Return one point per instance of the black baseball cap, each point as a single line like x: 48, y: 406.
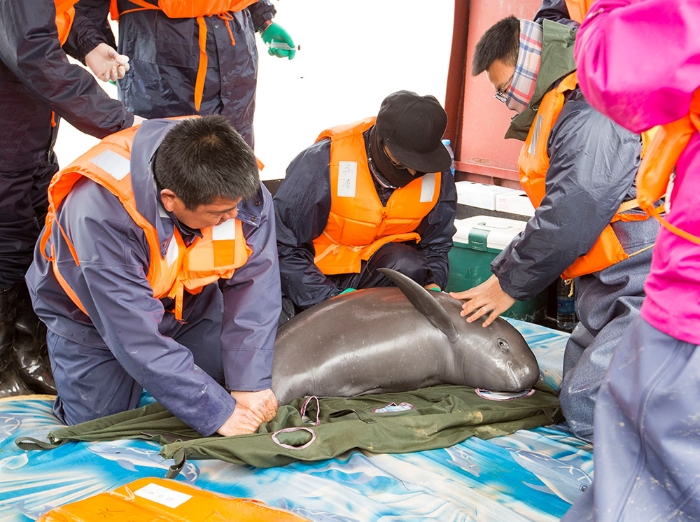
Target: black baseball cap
x: 412, y: 126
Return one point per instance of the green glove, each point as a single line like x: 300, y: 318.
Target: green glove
x: 278, y: 41
x: 347, y: 291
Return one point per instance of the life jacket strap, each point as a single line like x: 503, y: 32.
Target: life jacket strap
x: 657, y: 166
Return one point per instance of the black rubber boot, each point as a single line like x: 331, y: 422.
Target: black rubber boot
x: 29, y: 349
x: 11, y: 384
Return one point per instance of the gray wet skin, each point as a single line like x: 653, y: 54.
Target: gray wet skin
x: 396, y: 339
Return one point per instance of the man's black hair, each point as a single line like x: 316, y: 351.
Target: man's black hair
x: 500, y: 42
x: 202, y: 159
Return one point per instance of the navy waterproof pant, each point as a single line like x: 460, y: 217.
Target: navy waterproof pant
x: 403, y: 258
x: 607, y: 303
x: 90, y: 381
x: 647, y: 433
x: 23, y: 207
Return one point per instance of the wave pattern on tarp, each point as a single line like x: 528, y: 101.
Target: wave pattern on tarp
x: 530, y: 475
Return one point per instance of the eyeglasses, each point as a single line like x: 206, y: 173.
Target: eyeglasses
x: 396, y: 164
x: 501, y: 91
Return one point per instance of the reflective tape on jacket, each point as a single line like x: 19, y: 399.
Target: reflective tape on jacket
x: 216, y: 255
x: 533, y: 165
x: 358, y: 224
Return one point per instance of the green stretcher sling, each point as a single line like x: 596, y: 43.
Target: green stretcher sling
x: 314, y: 429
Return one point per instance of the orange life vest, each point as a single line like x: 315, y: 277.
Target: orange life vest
x: 578, y: 9
x: 660, y: 159
x: 533, y: 165
x: 197, y: 9
x: 358, y: 225
x: 65, y: 13
x: 216, y: 255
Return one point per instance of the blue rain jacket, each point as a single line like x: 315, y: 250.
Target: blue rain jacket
x: 302, y: 205
x: 164, y: 57
x: 111, y: 284
x: 36, y: 79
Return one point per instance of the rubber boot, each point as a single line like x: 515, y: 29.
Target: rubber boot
x: 29, y: 349
x: 11, y: 384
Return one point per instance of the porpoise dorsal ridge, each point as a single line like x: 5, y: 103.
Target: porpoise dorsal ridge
x: 423, y: 301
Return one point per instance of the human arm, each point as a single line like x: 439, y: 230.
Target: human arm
x: 90, y: 28
x: 252, y: 301
x: 92, y: 42
x: 261, y: 12
x: 593, y: 162
x: 640, y: 78
x: 436, y: 231
x: 111, y: 284
x: 272, y: 33
x: 302, y: 206
x: 32, y: 52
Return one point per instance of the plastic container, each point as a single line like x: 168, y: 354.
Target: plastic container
x: 514, y: 202
x: 479, y: 195
x: 566, y: 308
x: 154, y: 499
x: 478, y: 240
x: 447, y: 145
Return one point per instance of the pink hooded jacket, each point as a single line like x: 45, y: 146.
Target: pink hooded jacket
x: 639, y: 63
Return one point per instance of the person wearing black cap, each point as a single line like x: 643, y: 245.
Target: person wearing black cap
x: 371, y: 194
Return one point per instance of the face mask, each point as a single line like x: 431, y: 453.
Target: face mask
x: 522, y: 86
x: 397, y: 177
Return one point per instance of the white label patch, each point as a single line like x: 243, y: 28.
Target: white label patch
x: 226, y: 230
x: 347, y: 179
x: 427, y: 187
x: 173, y: 251
x: 113, y: 164
x: 161, y: 495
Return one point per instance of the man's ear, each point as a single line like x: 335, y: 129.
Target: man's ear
x: 169, y: 199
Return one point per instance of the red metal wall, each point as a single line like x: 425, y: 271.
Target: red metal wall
x: 476, y: 120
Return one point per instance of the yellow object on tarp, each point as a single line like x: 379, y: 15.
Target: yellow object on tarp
x: 162, y: 500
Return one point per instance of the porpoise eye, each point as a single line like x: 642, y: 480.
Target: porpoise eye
x: 503, y: 344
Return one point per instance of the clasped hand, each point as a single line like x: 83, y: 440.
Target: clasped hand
x: 252, y: 409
